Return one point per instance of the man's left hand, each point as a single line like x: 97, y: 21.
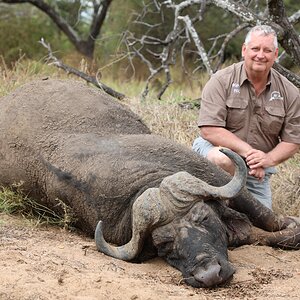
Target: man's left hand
x: 257, y: 159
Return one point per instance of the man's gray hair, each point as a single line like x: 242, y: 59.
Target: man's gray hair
x: 264, y: 30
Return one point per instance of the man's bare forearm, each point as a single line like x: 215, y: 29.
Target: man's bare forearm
x: 282, y: 152
x: 220, y: 136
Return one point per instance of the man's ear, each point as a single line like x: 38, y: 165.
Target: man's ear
x: 276, y: 53
x: 243, y: 50
x: 163, y: 239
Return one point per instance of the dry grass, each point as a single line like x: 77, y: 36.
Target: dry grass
x: 286, y: 187
x: 168, y: 119
x: 22, y: 72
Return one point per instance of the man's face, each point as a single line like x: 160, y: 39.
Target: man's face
x: 259, y: 54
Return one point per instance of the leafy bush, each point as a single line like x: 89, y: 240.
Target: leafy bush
x: 22, y: 26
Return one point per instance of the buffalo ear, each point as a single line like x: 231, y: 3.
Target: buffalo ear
x: 238, y: 226
x: 163, y: 239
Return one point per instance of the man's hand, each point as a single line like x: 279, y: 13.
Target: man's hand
x: 258, y: 159
x: 259, y: 173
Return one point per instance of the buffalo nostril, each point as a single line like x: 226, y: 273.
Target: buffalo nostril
x: 210, y: 276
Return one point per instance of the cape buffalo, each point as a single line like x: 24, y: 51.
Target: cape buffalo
x: 152, y: 196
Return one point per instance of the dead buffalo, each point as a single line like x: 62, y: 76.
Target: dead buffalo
x: 71, y: 142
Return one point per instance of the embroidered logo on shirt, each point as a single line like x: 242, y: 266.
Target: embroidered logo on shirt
x: 275, y: 96
x: 236, y: 89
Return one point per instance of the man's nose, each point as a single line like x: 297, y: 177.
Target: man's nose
x: 261, y: 53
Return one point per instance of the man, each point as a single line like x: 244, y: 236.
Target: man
x: 253, y: 110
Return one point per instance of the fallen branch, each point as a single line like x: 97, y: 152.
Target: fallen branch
x: 53, y: 60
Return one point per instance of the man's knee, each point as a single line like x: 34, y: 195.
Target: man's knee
x: 221, y: 160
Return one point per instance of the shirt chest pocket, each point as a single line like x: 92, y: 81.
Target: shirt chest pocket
x: 273, y: 119
x: 236, y: 113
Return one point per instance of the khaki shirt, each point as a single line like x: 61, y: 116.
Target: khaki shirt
x: 229, y: 101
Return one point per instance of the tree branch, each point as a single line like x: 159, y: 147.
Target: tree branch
x: 227, y: 39
x: 54, y: 15
x: 99, y: 15
x: 295, y: 18
x: 91, y: 79
x: 198, y: 43
x: 238, y: 9
x: 294, y: 78
x: 84, y: 46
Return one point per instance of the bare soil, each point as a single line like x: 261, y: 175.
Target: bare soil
x: 51, y: 263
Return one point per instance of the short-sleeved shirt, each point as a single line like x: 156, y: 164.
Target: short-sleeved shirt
x: 229, y: 100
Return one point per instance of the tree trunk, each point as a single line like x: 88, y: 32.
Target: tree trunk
x: 289, y: 39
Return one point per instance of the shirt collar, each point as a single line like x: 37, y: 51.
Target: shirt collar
x: 244, y: 77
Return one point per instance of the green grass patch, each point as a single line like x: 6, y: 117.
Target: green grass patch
x: 14, y: 201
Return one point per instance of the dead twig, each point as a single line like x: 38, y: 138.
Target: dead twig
x: 53, y: 60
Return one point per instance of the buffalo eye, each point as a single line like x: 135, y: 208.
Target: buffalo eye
x: 200, y: 219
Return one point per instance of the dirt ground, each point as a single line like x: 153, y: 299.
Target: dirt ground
x: 51, y: 263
